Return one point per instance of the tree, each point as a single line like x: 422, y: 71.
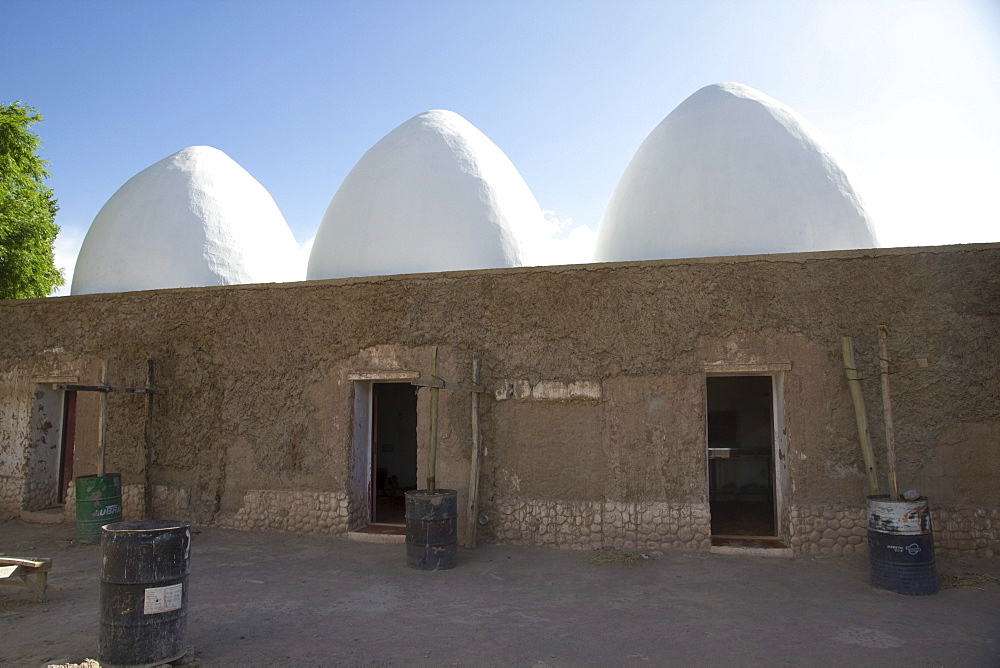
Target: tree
x: 27, y: 209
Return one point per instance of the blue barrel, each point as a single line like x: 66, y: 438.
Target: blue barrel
x: 144, y: 592
x: 901, y: 546
x: 432, y: 529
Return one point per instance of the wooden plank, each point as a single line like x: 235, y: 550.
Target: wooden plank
x: 432, y: 450
x: 472, y: 511
x: 29, y: 573
x: 147, y: 495
x: 860, y: 415
x: 30, y: 563
x: 103, y: 425
x: 107, y: 388
x: 890, y: 439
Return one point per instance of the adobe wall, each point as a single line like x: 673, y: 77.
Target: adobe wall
x: 593, y: 427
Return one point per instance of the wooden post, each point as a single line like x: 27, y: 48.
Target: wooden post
x: 432, y: 449
x: 890, y: 439
x: 860, y: 415
x: 148, y: 438
x: 473, y: 508
x: 102, y: 436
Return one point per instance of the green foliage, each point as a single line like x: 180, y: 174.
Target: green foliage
x: 27, y: 209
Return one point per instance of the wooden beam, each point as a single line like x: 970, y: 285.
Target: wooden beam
x: 472, y: 511
x: 106, y: 388
x: 432, y: 450
x: 447, y: 385
x: 860, y: 415
x: 148, y: 442
x: 103, y: 421
x: 890, y: 439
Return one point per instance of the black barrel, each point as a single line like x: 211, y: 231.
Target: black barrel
x: 144, y: 592
x: 901, y: 546
x: 432, y: 529
x: 98, y: 502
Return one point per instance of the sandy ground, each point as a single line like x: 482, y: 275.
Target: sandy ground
x: 283, y: 599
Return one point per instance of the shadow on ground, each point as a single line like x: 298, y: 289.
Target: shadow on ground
x: 267, y: 598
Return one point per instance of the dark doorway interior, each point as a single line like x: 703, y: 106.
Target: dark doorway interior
x: 741, y: 452
x: 394, y: 450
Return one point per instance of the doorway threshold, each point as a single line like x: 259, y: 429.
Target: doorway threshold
x: 379, y: 533
x: 751, y: 546
x: 47, y: 516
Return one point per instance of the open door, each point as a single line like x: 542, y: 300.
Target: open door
x: 393, y: 451
x: 66, y: 449
x: 741, y: 457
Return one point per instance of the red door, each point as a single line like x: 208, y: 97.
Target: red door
x: 66, y: 445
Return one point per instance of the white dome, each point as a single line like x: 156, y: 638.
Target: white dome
x: 194, y: 219
x: 731, y: 171
x: 435, y: 194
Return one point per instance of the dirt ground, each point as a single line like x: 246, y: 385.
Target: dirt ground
x: 268, y: 598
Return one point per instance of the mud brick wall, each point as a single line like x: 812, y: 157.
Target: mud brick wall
x: 594, y: 423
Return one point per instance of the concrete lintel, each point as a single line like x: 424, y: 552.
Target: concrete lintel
x: 383, y: 375
x: 745, y: 369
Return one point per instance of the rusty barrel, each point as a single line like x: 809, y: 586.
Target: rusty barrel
x: 144, y: 592
x: 98, y: 502
x: 432, y: 529
x: 901, y: 546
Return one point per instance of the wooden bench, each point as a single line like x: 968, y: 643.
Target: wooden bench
x: 19, y: 572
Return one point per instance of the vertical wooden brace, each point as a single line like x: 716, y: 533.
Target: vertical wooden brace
x: 148, y: 438
x: 890, y: 438
x: 102, y: 436
x: 472, y: 511
x: 860, y: 414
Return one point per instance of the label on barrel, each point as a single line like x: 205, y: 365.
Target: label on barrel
x: 163, y: 599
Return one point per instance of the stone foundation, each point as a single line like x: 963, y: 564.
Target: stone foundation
x: 844, y: 530
x: 171, y: 502
x: 828, y: 529
x: 970, y: 533
x: 583, y: 525
x: 11, y: 490
x: 589, y: 525
x: 282, y: 510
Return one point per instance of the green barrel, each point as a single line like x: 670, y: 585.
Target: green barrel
x: 98, y: 502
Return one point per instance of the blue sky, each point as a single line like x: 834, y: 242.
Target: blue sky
x: 908, y: 92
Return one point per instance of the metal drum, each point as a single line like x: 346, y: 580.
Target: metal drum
x: 432, y: 529
x: 144, y: 592
x: 98, y: 502
x: 901, y: 546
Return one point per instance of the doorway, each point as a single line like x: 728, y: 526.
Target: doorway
x: 393, y: 450
x: 741, y: 446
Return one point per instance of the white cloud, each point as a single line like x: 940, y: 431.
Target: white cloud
x: 923, y: 187
x: 65, y: 250
x: 560, y: 242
